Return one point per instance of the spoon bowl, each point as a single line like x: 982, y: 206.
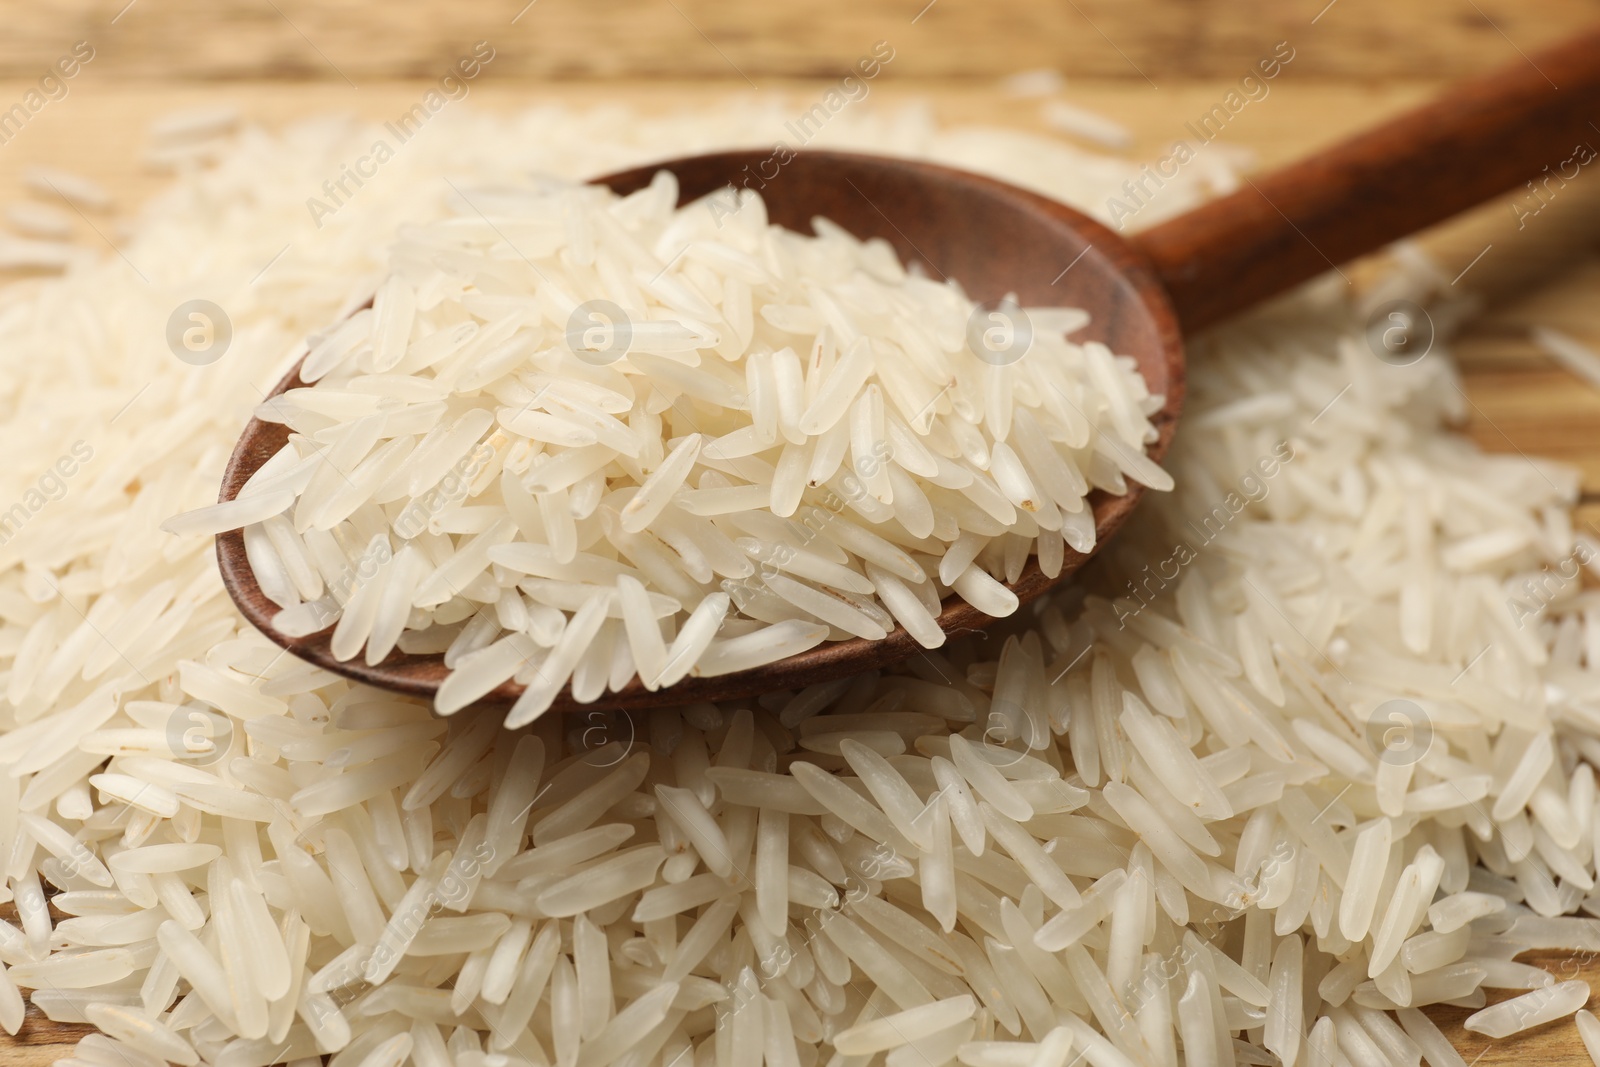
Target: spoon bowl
x: 993, y: 238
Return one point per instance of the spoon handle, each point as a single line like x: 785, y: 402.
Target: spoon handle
x: 1536, y: 120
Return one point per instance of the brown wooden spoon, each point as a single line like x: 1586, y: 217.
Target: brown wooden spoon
x: 1143, y: 291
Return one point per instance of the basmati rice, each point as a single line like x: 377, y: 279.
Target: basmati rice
x: 1170, y: 768
x: 428, y: 410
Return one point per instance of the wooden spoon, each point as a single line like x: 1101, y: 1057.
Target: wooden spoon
x: 1143, y: 291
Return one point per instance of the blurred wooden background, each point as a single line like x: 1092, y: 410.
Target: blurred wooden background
x: 1159, y: 40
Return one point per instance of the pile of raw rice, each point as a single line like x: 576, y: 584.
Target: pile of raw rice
x: 499, y: 461
x: 1307, y: 750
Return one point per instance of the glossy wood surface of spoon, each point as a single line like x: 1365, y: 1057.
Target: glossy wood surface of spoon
x: 1142, y: 292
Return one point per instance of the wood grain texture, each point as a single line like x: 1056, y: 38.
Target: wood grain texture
x: 1156, y: 41
x: 1546, y: 271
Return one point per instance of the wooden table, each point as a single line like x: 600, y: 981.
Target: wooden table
x: 1548, y: 272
